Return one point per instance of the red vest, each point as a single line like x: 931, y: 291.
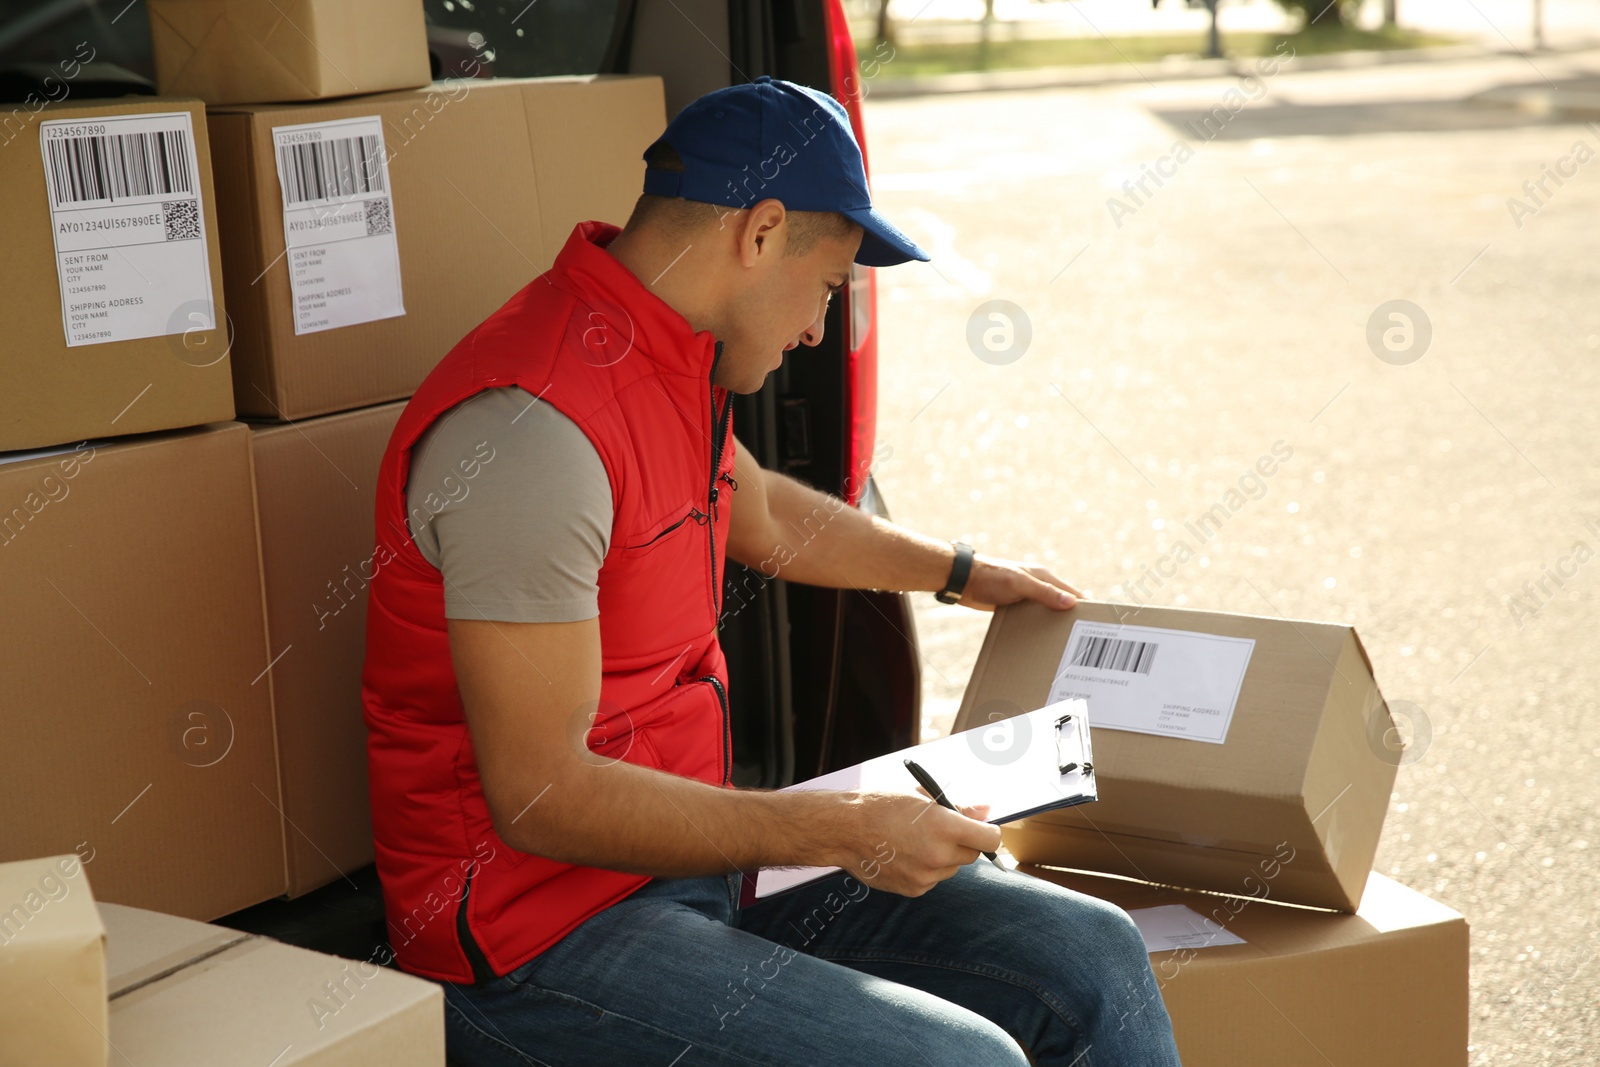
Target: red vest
x: 590, y: 339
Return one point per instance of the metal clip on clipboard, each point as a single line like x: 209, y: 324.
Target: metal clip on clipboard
x: 1026, y: 775
x: 1074, y: 756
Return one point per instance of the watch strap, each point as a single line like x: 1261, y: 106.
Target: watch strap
x: 960, y: 571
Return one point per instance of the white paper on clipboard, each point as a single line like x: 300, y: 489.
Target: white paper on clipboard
x: 1013, y: 765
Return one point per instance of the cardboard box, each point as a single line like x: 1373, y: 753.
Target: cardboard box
x: 483, y: 183
x: 252, y: 51
x: 112, y: 275
x: 1385, y: 987
x: 1302, y: 764
x: 185, y: 994
x: 52, y: 966
x: 133, y: 645
x: 315, y: 486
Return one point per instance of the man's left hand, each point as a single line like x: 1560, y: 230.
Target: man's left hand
x: 1002, y: 581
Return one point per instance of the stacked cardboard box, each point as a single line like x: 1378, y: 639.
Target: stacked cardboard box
x: 78, y: 980
x: 243, y: 51
x: 362, y: 238
x: 1248, y: 757
x: 1252, y: 982
x: 192, y: 674
x: 112, y: 274
x: 314, y: 487
x: 133, y: 647
x: 1239, y: 736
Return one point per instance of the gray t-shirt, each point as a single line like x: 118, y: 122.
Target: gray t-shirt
x: 509, y: 499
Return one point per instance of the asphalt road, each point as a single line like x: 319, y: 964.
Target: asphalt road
x: 1442, y: 493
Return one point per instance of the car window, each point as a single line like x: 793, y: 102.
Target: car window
x: 521, y: 38
x: 88, y: 47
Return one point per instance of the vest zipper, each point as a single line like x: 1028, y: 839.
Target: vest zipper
x: 481, y: 971
x: 719, y: 437
x: 727, y: 727
x: 694, y: 513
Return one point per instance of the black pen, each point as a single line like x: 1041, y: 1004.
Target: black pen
x: 925, y: 780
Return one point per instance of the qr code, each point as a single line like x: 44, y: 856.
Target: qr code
x: 183, y: 219
x: 378, y: 220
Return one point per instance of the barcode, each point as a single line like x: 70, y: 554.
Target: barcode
x: 321, y: 170
x: 116, y: 166
x: 1112, y: 654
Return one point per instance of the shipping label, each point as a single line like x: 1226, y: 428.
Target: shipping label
x: 338, y: 223
x: 129, y: 227
x: 1176, y: 683
x: 1174, y: 926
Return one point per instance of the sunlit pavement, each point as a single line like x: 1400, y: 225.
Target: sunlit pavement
x: 1158, y: 336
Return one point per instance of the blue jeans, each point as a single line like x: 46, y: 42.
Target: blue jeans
x: 833, y: 974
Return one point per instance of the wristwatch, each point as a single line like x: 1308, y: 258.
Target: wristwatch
x: 960, y: 571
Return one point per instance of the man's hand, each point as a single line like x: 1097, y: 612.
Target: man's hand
x: 907, y: 844
x: 994, y: 582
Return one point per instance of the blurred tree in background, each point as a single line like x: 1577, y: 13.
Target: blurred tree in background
x: 1321, y: 13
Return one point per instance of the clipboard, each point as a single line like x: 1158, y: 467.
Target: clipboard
x: 1020, y: 766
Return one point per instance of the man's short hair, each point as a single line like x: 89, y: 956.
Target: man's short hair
x: 682, y: 218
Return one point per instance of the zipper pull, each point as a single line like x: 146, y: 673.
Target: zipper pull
x: 699, y: 516
x: 716, y: 490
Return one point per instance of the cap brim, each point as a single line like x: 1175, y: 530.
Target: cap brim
x: 881, y: 244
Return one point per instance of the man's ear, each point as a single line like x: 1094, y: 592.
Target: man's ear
x: 764, y: 232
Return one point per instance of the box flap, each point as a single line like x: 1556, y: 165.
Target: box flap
x: 149, y: 945
x: 55, y: 888
x: 208, y: 996
x: 52, y: 965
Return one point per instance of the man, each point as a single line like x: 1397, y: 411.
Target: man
x: 546, y: 696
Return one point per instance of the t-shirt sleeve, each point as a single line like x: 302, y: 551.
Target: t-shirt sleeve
x: 510, y: 500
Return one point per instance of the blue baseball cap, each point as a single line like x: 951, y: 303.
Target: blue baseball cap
x: 772, y: 138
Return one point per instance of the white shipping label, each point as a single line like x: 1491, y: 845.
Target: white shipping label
x: 1173, y: 926
x: 129, y: 227
x: 1177, y: 683
x: 338, y: 223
